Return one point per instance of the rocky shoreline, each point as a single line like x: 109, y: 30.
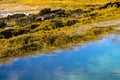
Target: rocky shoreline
x: 21, y: 34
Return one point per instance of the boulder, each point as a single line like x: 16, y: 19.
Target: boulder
x: 2, y: 24
x: 16, y: 16
x: 45, y: 11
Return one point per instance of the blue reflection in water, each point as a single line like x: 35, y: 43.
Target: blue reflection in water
x: 96, y: 61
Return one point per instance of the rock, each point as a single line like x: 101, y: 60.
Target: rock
x: 39, y: 19
x: 109, y: 4
x: 2, y: 24
x: 16, y: 16
x: 71, y: 22
x: 56, y: 23
x: 58, y: 12
x: 23, y: 21
x: 7, y: 33
x: 33, y: 26
x: 78, y: 11
x: 51, y: 16
x: 116, y: 4
x: 45, y: 11
x: 19, y: 32
x: 32, y: 17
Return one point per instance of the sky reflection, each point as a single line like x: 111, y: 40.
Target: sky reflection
x: 96, y: 61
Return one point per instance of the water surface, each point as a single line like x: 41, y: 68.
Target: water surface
x: 94, y: 61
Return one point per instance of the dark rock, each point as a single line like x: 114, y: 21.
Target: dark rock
x: 56, y: 23
x: 109, y: 4
x: 2, y: 24
x: 71, y: 22
x: 51, y: 16
x: 58, y: 12
x: 16, y: 16
x: 45, y: 11
x: 7, y: 33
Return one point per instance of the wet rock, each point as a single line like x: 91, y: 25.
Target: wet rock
x: 2, y: 24
x: 7, y: 33
x: 45, y: 11
x: 16, y: 16
x: 57, y: 23
x: 71, y: 22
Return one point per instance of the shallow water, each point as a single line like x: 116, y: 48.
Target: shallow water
x: 94, y: 61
